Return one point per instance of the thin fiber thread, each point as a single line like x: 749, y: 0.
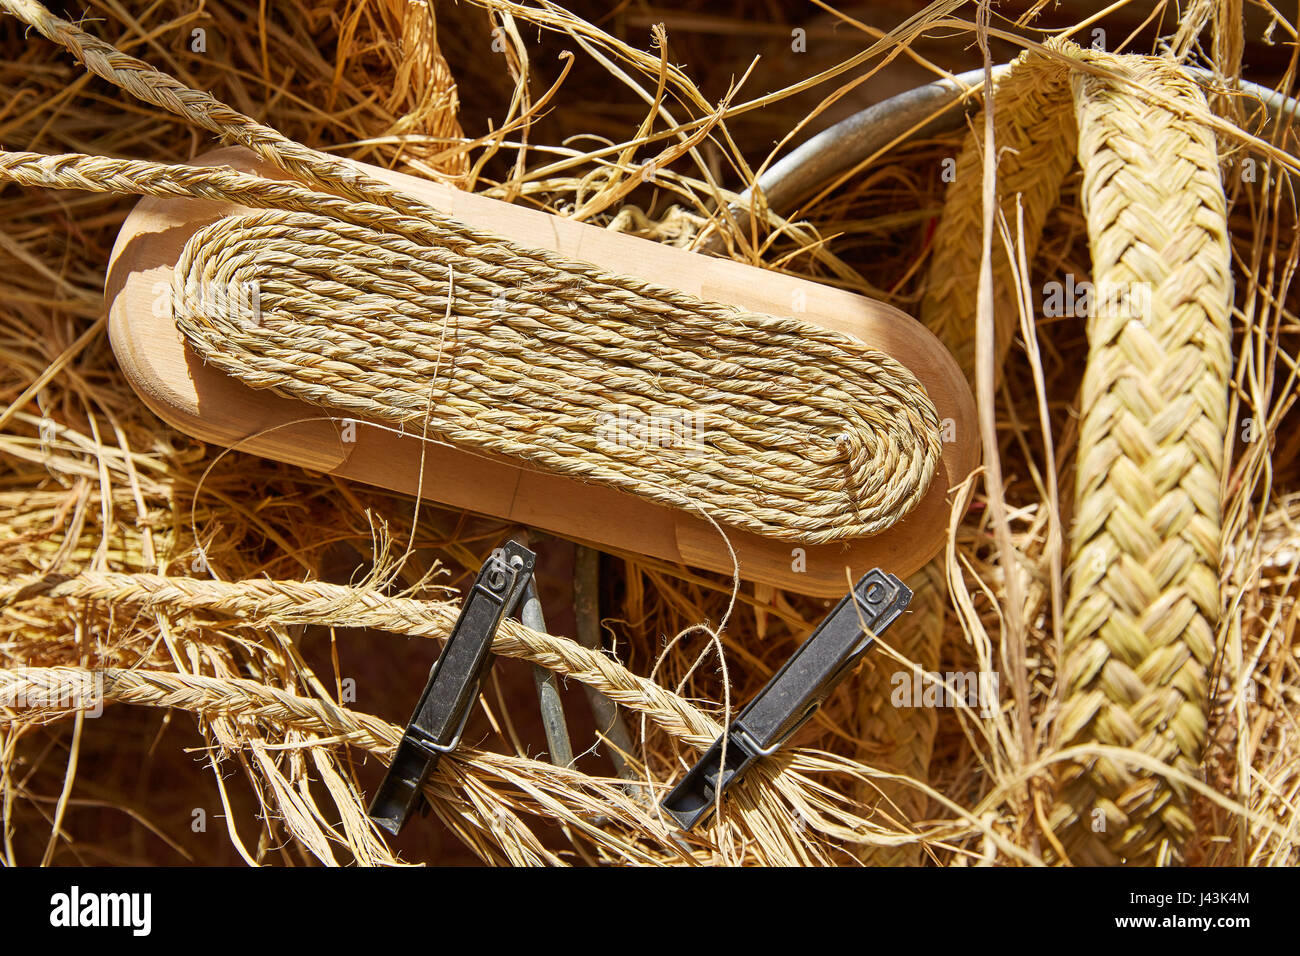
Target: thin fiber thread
x: 1144, y: 554
x: 207, y: 112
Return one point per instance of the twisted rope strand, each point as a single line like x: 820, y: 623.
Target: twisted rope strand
x: 333, y: 605
x: 152, y: 86
x: 293, y: 602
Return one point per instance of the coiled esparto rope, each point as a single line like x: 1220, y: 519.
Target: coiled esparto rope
x: 769, y: 424
x: 805, y: 472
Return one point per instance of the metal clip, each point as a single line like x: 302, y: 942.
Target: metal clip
x: 787, y: 701
x: 453, y: 686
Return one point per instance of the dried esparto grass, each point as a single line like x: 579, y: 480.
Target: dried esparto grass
x: 233, y: 604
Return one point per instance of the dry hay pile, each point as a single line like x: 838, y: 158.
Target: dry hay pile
x: 249, y: 720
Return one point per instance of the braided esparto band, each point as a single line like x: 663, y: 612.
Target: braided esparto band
x: 1144, y: 578
x: 1143, y: 599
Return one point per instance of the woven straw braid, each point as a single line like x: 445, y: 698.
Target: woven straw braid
x: 1144, y: 598
x: 1035, y: 135
x: 1031, y: 116
x: 768, y: 424
x: 1144, y: 591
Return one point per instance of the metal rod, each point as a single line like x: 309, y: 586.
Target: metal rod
x: 609, y: 719
x: 548, y: 688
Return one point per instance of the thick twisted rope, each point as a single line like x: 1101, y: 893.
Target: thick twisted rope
x: 1143, y: 596
x: 207, y: 112
x: 333, y: 605
x: 261, y: 602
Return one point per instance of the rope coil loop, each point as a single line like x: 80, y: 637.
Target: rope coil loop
x: 773, y: 425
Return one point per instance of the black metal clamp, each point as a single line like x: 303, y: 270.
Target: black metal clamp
x: 787, y: 701
x: 444, y: 708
